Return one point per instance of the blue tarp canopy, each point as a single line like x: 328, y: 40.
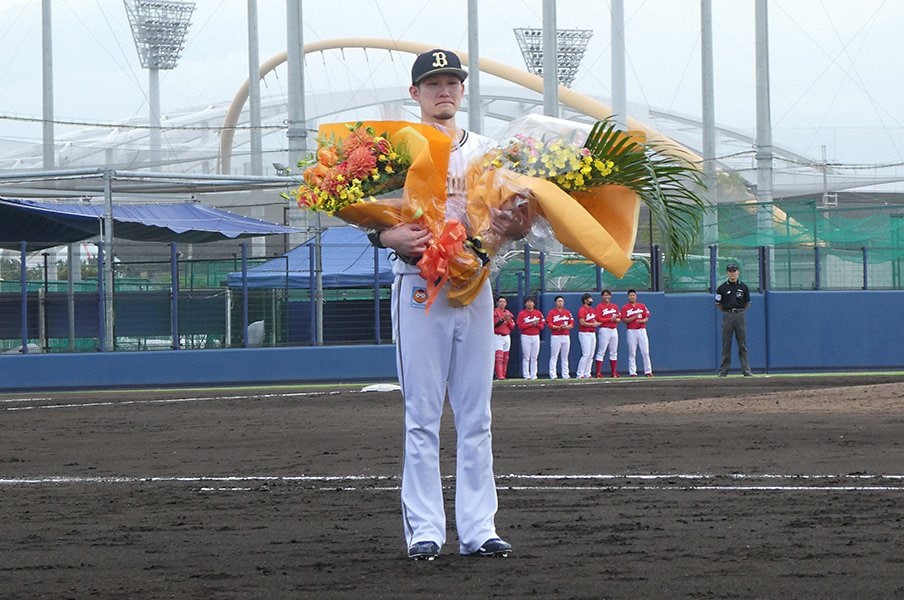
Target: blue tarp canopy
x: 47, y: 224
x: 348, y: 262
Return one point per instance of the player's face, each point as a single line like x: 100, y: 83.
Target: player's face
x: 501, y: 303
x: 607, y: 298
x: 529, y: 305
x: 632, y: 297
x: 560, y: 303
x: 733, y: 275
x: 438, y: 96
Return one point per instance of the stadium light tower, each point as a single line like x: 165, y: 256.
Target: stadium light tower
x: 570, y: 47
x: 158, y: 29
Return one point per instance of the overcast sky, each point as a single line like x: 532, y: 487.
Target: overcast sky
x: 834, y: 63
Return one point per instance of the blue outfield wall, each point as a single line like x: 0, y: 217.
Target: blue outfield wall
x: 786, y: 332
x: 197, y: 367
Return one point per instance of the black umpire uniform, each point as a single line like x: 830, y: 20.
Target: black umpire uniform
x: 732, y: 298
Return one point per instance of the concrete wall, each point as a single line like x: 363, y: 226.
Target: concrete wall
x: 787, y: 331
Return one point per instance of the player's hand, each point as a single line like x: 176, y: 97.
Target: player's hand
x: 510, y: 223
x: 408, y: 239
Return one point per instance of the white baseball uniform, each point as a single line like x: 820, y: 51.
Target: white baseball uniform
x: 451, y: 349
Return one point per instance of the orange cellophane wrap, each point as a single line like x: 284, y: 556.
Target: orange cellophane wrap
x: 423, y: 200
x: 600, y: 223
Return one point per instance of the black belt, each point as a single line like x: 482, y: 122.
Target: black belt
x: 735, y: 310
x: 408, y: 260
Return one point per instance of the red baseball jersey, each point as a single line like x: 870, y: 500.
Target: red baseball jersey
x: 588, y: 315
x: 560, y: 318
x: 635, y: 310
x: 530, y: 322
x: 508, y: 321
x: 606, y: 315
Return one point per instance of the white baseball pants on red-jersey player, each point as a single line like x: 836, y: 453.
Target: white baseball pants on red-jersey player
x: 530, y: 351
x: 559, y: 345
x: 637, y: 339
x: 454, y: 345
x: 587, y: 340
x: 607, y: 339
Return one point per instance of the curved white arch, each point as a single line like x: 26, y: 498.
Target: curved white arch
x: 568, y: 97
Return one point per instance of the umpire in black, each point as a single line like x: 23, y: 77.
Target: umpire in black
x: 732, y: 298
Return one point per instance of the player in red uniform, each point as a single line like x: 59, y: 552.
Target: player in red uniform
x: 587, y: 325
x: 503, y: 323
x: 608, y: 315
x: 636, y: 315
x: 530, y: 322
x: 560, y: 322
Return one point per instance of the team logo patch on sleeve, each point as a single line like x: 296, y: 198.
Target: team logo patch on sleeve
x: 419, y: 297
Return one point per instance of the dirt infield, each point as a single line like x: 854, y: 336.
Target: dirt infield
x: 767, y: 487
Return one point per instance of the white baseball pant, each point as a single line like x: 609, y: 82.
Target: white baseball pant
x: 449, y: 349
x: 530, y: 351
x: 559, y: 345
x: 607, y: 339
x: 637, y: 339
x: 587, y: 340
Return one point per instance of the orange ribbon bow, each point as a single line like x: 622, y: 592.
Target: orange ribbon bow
x: 434, y: 264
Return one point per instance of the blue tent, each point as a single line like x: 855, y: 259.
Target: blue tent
x: 46, y: 224
x: 348, y: 262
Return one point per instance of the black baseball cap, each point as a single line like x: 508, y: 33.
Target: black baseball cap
x: 731, y: 267
x: 436, y: 62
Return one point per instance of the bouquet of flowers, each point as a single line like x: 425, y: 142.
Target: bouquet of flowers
x: 586, y: 183
x: 356, y: 168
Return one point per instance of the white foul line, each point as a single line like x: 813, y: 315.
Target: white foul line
x: 690, y: 482
x: 153, y: 401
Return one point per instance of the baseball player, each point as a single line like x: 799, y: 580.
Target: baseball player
x: 587, y: 325
x: 503, y: 323
x: 452, y: 350
x: 635, y: 315
x: 530, y: 322
x: 732, y: 298
x: 560, y: 322
x: 608, y: 315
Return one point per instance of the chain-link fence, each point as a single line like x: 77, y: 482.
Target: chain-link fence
x: 193, y: 298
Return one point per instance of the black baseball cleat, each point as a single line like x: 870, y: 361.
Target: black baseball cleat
x: 423, y: 551
x: 748, y: 374
x: 494, y: 547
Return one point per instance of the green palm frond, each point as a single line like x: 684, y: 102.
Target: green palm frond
x: 666, y: 184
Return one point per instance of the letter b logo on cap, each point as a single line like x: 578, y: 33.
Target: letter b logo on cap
x: 440, y: 60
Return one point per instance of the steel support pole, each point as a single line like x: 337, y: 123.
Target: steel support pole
x: 550, y: 60
x: 254, y: 91
x: 710, y: 216
x: 47, y: 57
x: 619, y: 92
x: 154, y: 158
x: 475, y: 108
x: 108, y: 263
